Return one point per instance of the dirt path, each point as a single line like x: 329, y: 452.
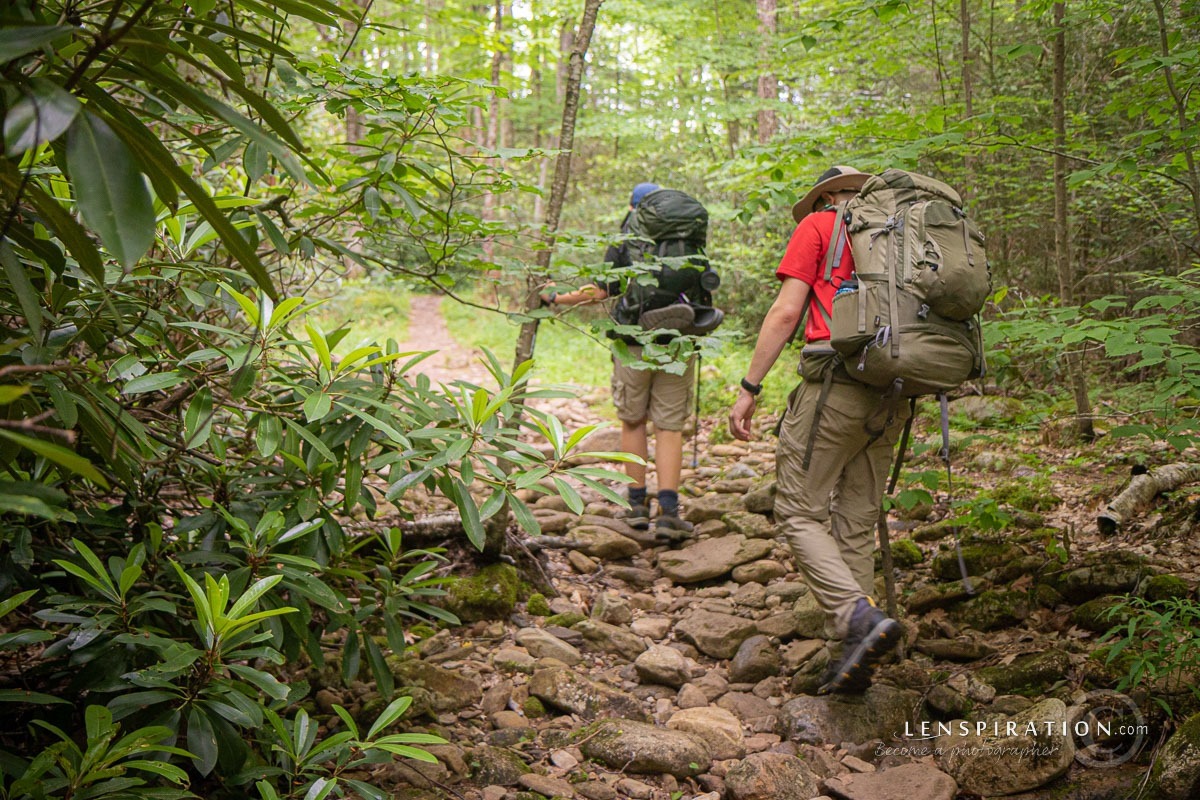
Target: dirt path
x: 427, y: 331
x: 453, y: 361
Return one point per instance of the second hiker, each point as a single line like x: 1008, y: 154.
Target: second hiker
x: 668, y: 227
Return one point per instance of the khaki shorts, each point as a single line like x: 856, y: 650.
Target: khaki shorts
x: 663, y: 398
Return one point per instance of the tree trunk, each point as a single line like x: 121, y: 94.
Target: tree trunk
x: 768, y: 85
x: 968, y: 98
x: 1181, y: 111
x: 492, y: 135
x: 494, y: 540
x: 1062, y: 243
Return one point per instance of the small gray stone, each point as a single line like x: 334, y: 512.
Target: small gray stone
x: 811, y: 619
x: 783, y: 625
x: 752, y: 526
x: 602, y: 543
x: 584, y: 565
x: 747, y: 707
x: 448, y: 690
x: 771, y: 776
x: 496, y: 766
x: 565, y: 689
x: 612, y: 609
x: 761, y: 500
x: 711, y: 558
x: 714, y: 634
x: 719, y: 729
x: 755, y: 660
x: 904, y: 782
x: 663, y: 665
x: 955, y: 649
x: 655, y: 628
x: 544, y: 645
x: 596, y: 790
x: 788, y: 591
x: 634, y: 576
x: 763, y: 571
x: 751, y: 595
x: 796, y: 653
x: 712, y: 506
x: 511, y: 660
x: 546, y: 785
x: 879, y: 713
x: 641, y: 748
x: 691, y: 696
x: 1176, y: 775
x: 611, y: 639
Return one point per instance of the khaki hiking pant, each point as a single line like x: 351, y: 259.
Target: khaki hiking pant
x: 828, y: 513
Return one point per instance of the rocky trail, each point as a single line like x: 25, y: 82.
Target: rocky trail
x: 655, y: 672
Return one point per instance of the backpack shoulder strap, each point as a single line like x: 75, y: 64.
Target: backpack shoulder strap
x: 837, y: 242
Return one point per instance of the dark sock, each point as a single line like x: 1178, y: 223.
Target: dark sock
x: 637, y: 495
x: 668, y: 502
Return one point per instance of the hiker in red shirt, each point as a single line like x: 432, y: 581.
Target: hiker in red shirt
x: 827, y: 508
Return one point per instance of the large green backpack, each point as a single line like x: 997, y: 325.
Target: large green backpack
x: 909, y: 319
x: 669, y: 228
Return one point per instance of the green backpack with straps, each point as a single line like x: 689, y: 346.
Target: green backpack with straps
x: 669, y: 229
x: 908, y: 320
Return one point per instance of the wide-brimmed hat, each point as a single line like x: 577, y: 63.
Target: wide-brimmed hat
x: 834, y: 179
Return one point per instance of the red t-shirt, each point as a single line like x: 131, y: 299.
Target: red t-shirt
x: 805, y: 260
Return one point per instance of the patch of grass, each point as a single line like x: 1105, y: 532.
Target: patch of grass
x: 720, y: 378
x: 375, y: 310
x: 562, y: 354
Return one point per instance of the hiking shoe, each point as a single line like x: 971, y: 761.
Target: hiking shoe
x: 676, y: 316
x: 670, y: 528
x: 869, y: 638
x: 637, y: 516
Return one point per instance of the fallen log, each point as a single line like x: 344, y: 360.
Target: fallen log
x: 1141, y: 490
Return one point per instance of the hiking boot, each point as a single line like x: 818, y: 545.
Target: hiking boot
x: 670, y: 528
x: 871, y: 635
x: 637, y: 516
x: 676, y: 316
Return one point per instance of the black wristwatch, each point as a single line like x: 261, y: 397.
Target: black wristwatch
x: 752, y: 388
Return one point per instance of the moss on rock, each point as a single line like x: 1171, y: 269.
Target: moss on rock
x: 905, y: 553
x: 1029, y: 675
x: 1165, y: 587
x: 537, y: 605
x: 979, y: 557
x: 1100, y: 614
x: 996, y: 609
x: 489, y: 594
x: 568, y: 620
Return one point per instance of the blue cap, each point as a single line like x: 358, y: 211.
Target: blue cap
x: 640, y: 191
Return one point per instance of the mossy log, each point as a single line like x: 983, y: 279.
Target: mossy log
x: 1141, y: 490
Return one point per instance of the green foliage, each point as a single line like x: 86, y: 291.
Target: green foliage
x: 1145, y: 338
x: 104, y: 767
x: 182, y: 440
x: 1158, y: 646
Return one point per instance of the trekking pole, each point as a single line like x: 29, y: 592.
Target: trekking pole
x: 696, y: 434
x: 889, y: 568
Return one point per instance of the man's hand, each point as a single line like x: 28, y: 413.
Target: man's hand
x: 740, y: 415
